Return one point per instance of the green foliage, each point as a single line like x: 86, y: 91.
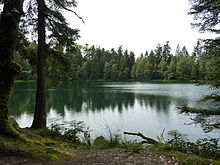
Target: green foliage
x: 186, y: 159
x: 207, y: 118
x: 207, y: 147
x: 6, y: 128
x: 171, y: 73
x: 75, y: 133
x: 100, y: 143
x: 28, y: 71
x: 213, y: 97
x: 132, y: 146
x: 53, y: 133
x: 56, y: 23
x: 206, y: 14
x: 162, y: 69
x: 93, y: 63
x: 187, y: 109
x: 32, y: 147
x: 213, y: 71
x: 114, y: 140
x: 177, y: 139
x: 184, y: 67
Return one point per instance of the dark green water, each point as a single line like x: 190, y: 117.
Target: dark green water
x: 130, y: 106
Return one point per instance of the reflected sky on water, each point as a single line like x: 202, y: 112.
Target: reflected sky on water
x: 122, y: 106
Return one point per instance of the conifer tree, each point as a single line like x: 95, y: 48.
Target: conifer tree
x: 49, y: 16
x: 206, y: 12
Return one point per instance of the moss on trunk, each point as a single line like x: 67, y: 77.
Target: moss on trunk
x: 9, y: 22
x: 8, y: 72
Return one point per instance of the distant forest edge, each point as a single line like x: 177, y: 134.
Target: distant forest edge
x: 93, y: 63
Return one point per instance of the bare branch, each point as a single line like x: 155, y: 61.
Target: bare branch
x: 65, y: 8
x: 148, y: 140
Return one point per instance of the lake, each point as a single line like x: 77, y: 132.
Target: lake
x: 121, y: 106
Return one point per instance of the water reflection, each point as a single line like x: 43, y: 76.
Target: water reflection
x: 73, y: 97
x: 23, y: 99
x: 140, y: 106
x: 93, y: 97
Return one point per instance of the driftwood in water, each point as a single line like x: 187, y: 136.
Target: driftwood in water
x: 146, y: 139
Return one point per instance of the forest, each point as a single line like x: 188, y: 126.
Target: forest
x: 37, y: 43
x: 95, y: 63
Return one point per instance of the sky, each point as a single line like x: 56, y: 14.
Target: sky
x: 136, y: 25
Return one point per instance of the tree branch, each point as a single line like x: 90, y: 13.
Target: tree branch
x: 65, y: 8
x: 148, y: 140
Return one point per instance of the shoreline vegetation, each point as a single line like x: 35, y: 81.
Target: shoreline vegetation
x: 104, y: 80
x: 206, y: 118
x: 62, y: 146
x: 186, y: 109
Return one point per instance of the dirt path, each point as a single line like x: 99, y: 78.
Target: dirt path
x: 102, y: 157
x: 119, y: 157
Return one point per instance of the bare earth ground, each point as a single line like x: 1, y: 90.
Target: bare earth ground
x: 102, y: 157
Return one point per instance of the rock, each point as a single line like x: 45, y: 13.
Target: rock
x: 100, y: 143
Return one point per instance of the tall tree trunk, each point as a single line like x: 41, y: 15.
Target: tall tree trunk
x: 9, y: 21
x: 40, y: 107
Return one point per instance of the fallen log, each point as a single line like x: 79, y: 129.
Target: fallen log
x: 147, y: 139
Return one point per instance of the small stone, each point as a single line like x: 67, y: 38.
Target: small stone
x: 129, y: 163
x: 162, y: 158
x: 130, y: 157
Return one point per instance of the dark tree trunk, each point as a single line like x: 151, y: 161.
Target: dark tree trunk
x: 40, y: 107
x: 9, y: 21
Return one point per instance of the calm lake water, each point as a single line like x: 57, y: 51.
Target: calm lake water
x: 122, y: 106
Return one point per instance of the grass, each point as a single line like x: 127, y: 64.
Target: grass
x: 183, y: 158
x: 19, y: 81
x: 186, y: 159
x: 33, y: 147
x: 51, y: 145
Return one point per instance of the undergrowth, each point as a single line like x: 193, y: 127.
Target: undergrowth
x: 51, y: 143
x: 75, y: 133
x: 204, y: 147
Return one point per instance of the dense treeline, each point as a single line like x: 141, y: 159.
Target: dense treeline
x: 93, y: 63
x: 79, y: 63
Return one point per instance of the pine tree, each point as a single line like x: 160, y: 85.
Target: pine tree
x: 40, y: 106
x: 207, y: 15
x: 50, y: 18
x: 206, y: 12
